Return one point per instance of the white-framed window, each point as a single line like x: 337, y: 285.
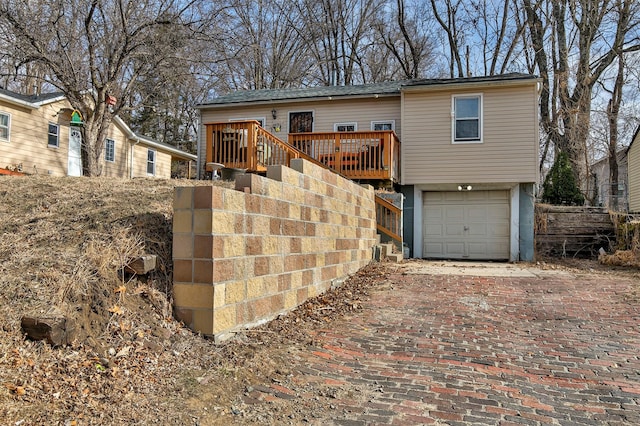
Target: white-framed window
x: 53, y: 135
x: 151, y: 162
x: 110, y: 150
x: 5, y: 126
x: 383, y: 125
x: 260, y: 120
x: 467, y: 118
x: 345, y: 127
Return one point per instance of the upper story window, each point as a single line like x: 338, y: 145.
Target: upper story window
x: 345, y: 127
x: 383, y: 125
x: 151, y: 162
x: 467, y: 119
x: 5, y: 123
x: 53, y: 134
x: 110, y: 150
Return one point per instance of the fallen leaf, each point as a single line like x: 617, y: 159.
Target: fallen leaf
x: 116, y: 310
x: 122, y: 289
x: 20, y: 390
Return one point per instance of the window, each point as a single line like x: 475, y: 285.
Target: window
x: 467, y: 119
x: 52, y: 137
x: 151, y: 162
x: 345, y: 127
x: 301, y: 122
x: 5, y: 121
x: 110, y: 150
x: 383, y: 125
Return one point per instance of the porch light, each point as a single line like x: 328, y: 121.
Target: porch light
x: 274, y: 113
x: 464, y: 187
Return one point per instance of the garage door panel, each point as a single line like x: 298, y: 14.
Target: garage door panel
x: 466, y: 225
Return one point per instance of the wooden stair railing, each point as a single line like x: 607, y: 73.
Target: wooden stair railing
x: 389, y: 219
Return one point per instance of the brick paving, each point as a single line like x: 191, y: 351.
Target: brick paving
x: 460, y: 350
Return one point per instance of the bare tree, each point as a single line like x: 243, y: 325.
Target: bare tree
x: 96, y: 49
x: 574, y: 44
x: 406, y: 40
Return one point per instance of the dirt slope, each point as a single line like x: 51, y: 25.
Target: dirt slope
x: 63, y: 242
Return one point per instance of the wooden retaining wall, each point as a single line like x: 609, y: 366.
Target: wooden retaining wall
x: 572, y: 230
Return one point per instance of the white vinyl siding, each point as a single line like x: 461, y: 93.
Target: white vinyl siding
x: 5, y: 126
x: 509, y: 152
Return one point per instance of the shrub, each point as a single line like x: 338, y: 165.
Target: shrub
x: 560, y: 186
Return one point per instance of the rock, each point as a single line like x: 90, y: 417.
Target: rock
x: 142, y: 265
x: 53, y: 327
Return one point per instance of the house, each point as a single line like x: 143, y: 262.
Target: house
x: 602, y: 186
x: 633, y: 164
x: 38, y: 135
x: 463, y: 152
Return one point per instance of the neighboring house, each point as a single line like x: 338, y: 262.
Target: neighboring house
x: 37, y: 137
x: 633, y: 160
x: 467, y: 152
x: 600, y: 174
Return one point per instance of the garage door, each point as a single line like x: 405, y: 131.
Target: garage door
x: 466, y: 225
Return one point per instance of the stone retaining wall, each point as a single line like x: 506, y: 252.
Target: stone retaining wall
x: 243, y: 256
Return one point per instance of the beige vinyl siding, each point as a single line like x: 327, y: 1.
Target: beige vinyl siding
x: 28, y: 139
x: 325, y: 114
x: 634, y: 175
x: 119, y: 168
x: 509, y: 148
x: 163, y: 162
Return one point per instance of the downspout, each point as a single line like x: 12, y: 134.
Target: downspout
x: 132, y: 155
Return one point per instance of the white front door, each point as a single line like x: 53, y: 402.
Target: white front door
x: 75, y: 152
x: 466, y: 225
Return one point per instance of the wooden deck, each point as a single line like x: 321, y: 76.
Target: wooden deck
x: 245, y: 145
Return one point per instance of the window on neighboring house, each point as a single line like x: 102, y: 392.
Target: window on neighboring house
x: 151, y: 162
x: 345, y: 127
x: 383, y: 125
x: 110, y: 150
x: 467, y: 119
x: 5, y: 122
x: 52, y: 137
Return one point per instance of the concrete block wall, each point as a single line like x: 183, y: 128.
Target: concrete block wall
x: 241, y: 257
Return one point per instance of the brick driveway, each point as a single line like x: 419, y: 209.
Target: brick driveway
x: 429, y: 347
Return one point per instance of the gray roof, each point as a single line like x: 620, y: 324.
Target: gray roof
x: 265, y: 95
x: 469, y: 80
x: 32, y: 99
x: 386, y: 88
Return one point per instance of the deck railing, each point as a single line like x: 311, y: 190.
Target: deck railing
x: 246, y: 145
x: 355, y: 155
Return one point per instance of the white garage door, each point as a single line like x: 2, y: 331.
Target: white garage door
x: 466, y: 225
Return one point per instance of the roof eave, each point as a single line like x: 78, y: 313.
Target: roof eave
x: 297, y: 100
x: 469, y: 84
x: 175, y: 152
x: 19, y: 102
